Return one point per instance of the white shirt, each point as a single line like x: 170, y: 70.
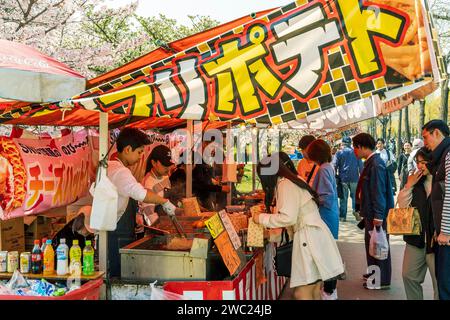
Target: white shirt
x: 156, y: 185
x: 384, y: 155
x: 126, y: 184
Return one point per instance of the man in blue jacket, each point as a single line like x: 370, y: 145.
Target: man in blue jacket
x: 375, y: 198
x: 348, y: 168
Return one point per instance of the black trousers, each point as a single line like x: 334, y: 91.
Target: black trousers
x: 384, y: 265
x: 122, y: 236
x: 442, y: 261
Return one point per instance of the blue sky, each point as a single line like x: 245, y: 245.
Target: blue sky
x: 221, y: 10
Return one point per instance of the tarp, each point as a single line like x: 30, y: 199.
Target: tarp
x: 28, y: 75
x: 295, y: 64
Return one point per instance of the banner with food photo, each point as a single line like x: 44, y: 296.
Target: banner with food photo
x: 39, y: 174
x: 294, y: 64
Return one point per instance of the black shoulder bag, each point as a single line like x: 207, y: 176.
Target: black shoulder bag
x: 283, y: 256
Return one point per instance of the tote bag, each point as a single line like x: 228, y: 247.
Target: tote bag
x: 104, y: 205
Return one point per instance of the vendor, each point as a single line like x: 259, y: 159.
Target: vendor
x: 203, y: 183
x: 156, y: 179
x: 130, y: 147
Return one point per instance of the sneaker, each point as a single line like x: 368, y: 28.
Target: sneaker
x: 342, y: 219
x: 327, y: 296
x: 373, y: 287
x: 357, y: 216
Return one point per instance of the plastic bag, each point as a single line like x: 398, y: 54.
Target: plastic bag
x: 378, y: 246
x: 104, y: 205
x: 5, y: 291
x: 43, y: 288
x: 160, y: 294
x: 17, y: 281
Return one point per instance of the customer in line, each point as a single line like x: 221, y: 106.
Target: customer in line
x: 315, y: 256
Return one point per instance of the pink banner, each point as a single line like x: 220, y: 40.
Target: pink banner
x: 40, y: 174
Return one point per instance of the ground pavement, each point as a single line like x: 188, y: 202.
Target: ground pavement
x: 351, y: 247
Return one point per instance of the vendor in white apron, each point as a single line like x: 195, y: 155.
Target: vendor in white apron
x: 130, y: 147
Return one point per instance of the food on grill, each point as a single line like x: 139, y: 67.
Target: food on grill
x: 178, y: 243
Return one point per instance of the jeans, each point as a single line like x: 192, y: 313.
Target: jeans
x: 347, y: 187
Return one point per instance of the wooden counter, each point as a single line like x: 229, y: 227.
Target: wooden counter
x: 96, y: 275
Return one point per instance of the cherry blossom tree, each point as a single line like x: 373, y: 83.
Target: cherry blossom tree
x: 87, y: 35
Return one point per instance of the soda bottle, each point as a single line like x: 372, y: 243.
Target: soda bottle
x: 44, y: 243
x: 75, y: 258
x: 49, y: 259
x: 36, y: 258
x: 88, y: 259
x: 62, y: 258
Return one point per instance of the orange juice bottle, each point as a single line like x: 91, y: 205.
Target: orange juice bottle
x: 49, y: 259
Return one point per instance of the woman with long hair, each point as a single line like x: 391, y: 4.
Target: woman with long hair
x: 315, y: 256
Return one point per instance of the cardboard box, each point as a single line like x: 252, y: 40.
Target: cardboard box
x: 12, y: 235
x: 40, y: 228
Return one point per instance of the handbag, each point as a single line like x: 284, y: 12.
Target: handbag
x: 404, y: 221
x: 283, y: 256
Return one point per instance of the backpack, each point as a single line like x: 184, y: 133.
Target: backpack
x: 391, y: 164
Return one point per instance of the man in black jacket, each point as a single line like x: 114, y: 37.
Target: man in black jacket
x: 375, y: 198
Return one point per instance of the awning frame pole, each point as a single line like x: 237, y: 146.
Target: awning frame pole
x: 103, y: 235
x: 189, y: 159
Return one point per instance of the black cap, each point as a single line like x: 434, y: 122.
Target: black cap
x: 162, y: 154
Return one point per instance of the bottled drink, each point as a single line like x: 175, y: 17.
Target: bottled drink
x: 62, y: 258
x: 49, y: 259
x: 88, y: 259
x: 44, y: 244
x: 75, y: 258
x: 36, y: 258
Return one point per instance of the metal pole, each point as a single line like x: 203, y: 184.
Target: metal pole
x: 255, y: 152
x: 229, y: 194
x: 103, y: 235
x: 189, y: 160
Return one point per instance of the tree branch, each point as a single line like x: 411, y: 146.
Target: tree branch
x: 445, y: 16
x: 23, y: 24
x: 101, y: 30
x: 20, y: 6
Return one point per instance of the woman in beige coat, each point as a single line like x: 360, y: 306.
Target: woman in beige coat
x: 315, y: 256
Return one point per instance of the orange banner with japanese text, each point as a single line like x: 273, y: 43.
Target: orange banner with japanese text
x: 39, y: 174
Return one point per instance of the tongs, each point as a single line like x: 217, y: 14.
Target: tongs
x: 178, y: 226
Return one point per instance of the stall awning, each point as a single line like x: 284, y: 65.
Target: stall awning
x: 28, y: 75
x: 311, y: 63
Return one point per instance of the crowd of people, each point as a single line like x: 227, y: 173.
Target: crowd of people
x: 313, y: 198
x: 310, y: 200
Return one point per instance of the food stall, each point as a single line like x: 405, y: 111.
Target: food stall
x: 301, y: 65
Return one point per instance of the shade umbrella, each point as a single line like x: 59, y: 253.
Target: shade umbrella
x: 28, y: 75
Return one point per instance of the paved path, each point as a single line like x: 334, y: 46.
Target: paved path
x: 351, y: 246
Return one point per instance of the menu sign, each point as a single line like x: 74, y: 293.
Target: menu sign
x: 234, y: 237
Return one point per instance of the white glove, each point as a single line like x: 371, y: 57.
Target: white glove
x: 169, y: 208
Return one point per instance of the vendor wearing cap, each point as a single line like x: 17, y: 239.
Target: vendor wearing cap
x: 156, y: 180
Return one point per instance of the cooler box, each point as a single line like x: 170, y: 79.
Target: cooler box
x: 88, y: 291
